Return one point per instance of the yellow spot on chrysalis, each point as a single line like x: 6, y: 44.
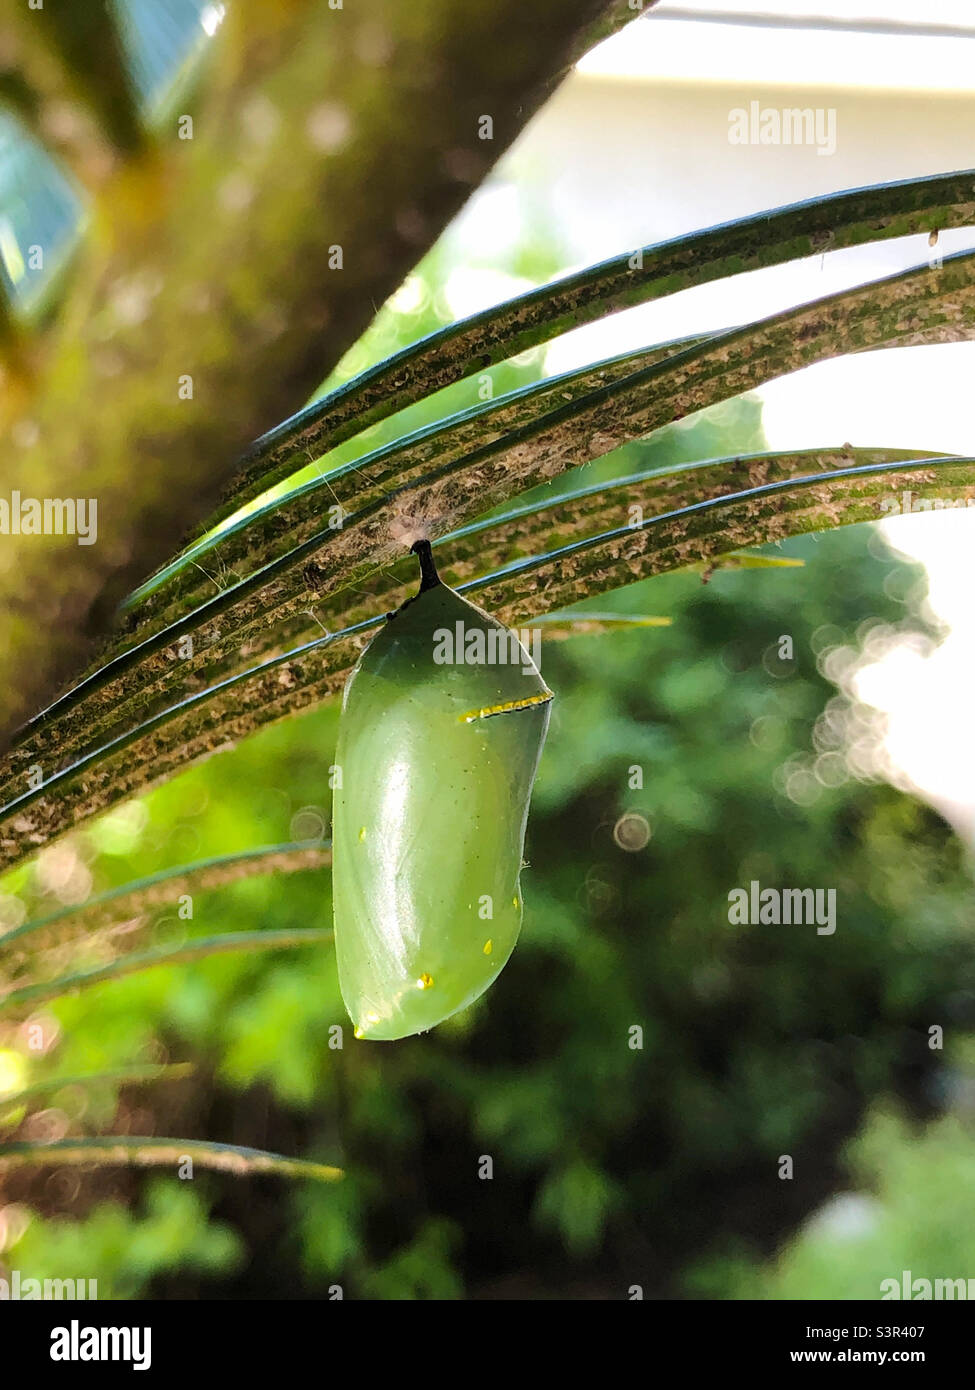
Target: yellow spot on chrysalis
x: 360, y: 1033
x: 424, y: 982
x: 362, y: 832
x: 488, y: 946
x: 514, y: 902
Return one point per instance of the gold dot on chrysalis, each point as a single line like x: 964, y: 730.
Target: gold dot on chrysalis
x: 424, y: 982
x: 514, y: 902
x: 362, y: 832
x: 488, y: 946
x: 359, y: 1033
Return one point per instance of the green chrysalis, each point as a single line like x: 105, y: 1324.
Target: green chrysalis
x: 443, y: 721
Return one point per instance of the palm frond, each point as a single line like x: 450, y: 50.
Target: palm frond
x: 702, y: 530
x: 140, y: 896
x: 155, y: 1152
x: 29, y: 996
x: 435, y: 492
x: 646, y: 273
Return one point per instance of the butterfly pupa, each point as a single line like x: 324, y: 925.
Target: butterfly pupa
x: 442, y: 725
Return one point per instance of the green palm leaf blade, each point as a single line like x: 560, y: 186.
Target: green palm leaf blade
x: 142, y: 895
x: 741, y: 559
x: 155, y: 1152
x: 558, y: 626
x: 29, y: 996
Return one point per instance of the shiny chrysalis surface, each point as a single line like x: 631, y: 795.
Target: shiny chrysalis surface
x: 438, y: 751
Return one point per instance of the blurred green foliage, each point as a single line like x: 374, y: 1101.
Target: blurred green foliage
x: 121, y: 1251
x: 911, y: 1211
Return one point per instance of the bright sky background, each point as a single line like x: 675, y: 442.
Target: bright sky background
x: 669, y: 47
